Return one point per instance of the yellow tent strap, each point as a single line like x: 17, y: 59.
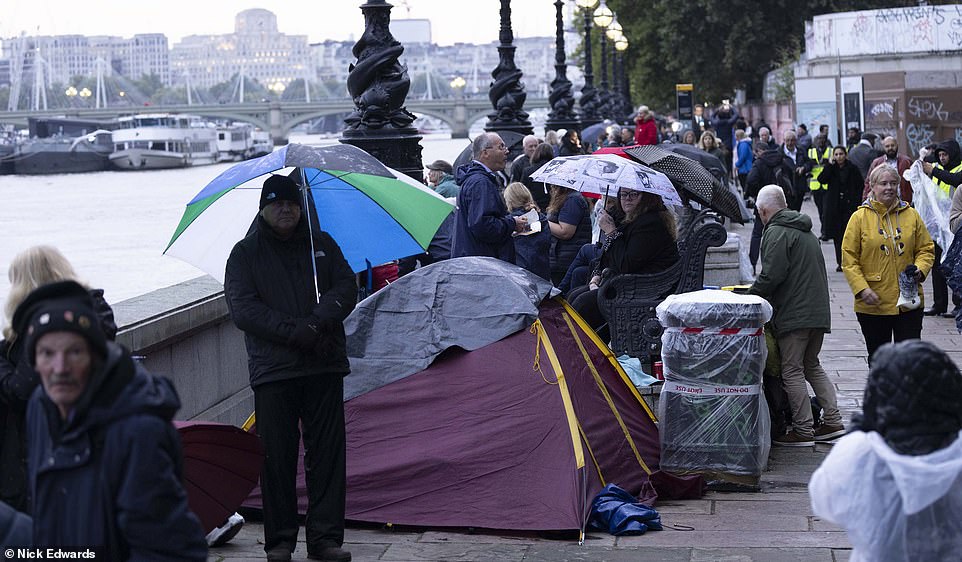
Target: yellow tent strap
x: 607, y: 352
x: 535, y: 329
x: 249, y: 423
x: 538, y: 329
x: 584, y: 437
x: 604, y: 391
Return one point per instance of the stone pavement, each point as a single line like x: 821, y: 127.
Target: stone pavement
x: 774, y: 525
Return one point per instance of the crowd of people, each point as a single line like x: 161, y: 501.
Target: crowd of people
x: 96, y: 439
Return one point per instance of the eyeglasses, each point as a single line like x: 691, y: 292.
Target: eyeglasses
x: 630, y: 195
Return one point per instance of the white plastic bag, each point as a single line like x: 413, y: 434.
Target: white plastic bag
x: 932, y: 203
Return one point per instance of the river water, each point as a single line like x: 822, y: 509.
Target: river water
x: 113, y: 226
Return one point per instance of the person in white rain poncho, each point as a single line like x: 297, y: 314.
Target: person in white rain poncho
x: 894, y: 483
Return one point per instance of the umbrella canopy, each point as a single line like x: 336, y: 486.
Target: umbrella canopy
x: 606, y: 173
x: 590, y: 133
x: 374, y: 213
x: 709, y: 161
x: 690, y: 176
x: 221, y: 466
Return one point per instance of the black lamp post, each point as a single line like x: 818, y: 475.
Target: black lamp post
x: 507, y: 93
x: 621, y: 44
x: 379, y: 84
x: 562, y: 116
x: 603, y: 18
x: 589, y: 96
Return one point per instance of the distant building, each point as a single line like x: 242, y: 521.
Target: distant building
x: 893, y: 71
x: 256, y: 49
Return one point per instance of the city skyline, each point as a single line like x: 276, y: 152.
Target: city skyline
x: 321, y: 20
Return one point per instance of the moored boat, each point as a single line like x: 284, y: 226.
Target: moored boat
x: 60, y: 145
x: 235, y: 142
x: 263, y: 143
x: 162, y: 140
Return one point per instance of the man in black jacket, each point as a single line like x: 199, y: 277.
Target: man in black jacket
x: 297, y: 357
x: 771, y: 168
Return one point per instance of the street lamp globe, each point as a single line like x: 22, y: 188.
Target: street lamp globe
x: 621, y: 43
x: 86, y: 93
x: 603, y: 15
x: 458, y: 83
x: 71, y: 91
x: 586, y: 4
x: 614, y: 29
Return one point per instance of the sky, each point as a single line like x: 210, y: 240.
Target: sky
x: 469, y: 21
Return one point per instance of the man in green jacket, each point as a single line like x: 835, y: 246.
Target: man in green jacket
x: 793, y: 280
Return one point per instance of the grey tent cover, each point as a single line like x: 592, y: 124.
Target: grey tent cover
x: 464, y: 302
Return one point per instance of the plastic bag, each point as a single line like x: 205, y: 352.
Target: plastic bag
x: 932, y: 203
x: 909, y: 289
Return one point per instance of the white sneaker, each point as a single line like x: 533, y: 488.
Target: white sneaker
x: 223, y: 534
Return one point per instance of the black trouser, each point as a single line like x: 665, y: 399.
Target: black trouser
x: 818, y: 196
x: 754, y: 248
x: 879, y: 330
x: 585, y: 301
x: 940, y: 291
x: 317, y: 402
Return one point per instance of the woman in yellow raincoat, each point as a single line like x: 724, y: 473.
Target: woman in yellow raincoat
x: 884, y: 236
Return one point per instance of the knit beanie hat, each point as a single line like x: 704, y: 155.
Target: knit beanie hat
x: 279, y: 188
x: 64, y: 306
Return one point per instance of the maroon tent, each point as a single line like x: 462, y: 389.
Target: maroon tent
x: 519, y: 434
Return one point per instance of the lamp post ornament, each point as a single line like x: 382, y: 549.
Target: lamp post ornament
x: 379, y: 84
x: 603, y: 17
x: 561, y: 100
x: 507, y: 93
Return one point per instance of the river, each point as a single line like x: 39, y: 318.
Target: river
x: 113, y: 226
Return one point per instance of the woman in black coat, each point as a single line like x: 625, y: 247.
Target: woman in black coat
x: 844, y: 193
x: 641, y: 237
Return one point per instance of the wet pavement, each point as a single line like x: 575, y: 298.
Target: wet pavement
x: 773, y: 525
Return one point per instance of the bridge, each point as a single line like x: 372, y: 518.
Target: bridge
x: 279, y: 117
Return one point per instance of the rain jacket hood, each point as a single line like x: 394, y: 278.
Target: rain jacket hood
x: 955, y: 153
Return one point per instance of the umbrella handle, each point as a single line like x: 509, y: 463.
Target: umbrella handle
x: 310, y: 234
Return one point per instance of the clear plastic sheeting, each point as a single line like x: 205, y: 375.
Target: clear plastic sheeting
x: 714, y: 418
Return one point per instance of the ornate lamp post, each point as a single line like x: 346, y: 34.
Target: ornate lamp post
x: 603, y: 17
x: 562, y: 116
x: 621, y: 44
x: 379, y: 84
x: 589, y: 96
x: 507, y: 93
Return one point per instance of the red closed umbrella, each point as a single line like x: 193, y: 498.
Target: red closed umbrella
x: 222, y: 464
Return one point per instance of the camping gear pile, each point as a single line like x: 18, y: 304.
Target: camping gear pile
x: 714, y: 418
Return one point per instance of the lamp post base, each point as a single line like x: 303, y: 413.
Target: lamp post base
x: 396, y: 148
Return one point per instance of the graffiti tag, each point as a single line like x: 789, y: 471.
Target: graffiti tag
x: 918, y: 135
x: 883, y: 109
x: 927, y: 109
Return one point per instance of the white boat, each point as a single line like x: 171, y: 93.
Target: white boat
x: 235, y: 142
x: 263, y: 143
x: 163, y: 140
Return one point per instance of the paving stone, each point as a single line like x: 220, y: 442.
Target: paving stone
x: 736, y: 522
x: 744, y: 539
x: 684, y: 506
x: 551, y: 553
x: 385, y: 536
x: 819, y: 524
x: 494, y: 537
x: 761, y: 555
x: 841, y: 555
x: 473, y: 552
x: 801, y: 507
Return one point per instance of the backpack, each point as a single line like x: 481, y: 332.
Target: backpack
x: 784, y: 181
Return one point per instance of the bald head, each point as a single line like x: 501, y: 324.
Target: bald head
x: 891, y: 147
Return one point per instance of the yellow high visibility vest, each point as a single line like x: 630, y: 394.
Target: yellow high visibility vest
x: 946, y: 187
x: 813, y: 183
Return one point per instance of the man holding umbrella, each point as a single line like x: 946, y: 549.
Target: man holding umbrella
x: 291, y: 311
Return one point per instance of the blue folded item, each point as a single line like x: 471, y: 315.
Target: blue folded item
x: 620, y: 514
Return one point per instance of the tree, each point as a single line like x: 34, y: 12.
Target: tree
x: 717, y: 46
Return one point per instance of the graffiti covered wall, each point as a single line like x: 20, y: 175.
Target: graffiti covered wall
x: 916, y: 29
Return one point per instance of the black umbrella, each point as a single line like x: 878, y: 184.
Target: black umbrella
x: 711, y: 162
x: 693, y: 177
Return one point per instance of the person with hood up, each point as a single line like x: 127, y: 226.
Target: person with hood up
x: 884, y: 237
x: 793, y: 280
x: 104, y: 460
x: 483, y: 226
x: 947, y: 175
x: 895, y: 482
